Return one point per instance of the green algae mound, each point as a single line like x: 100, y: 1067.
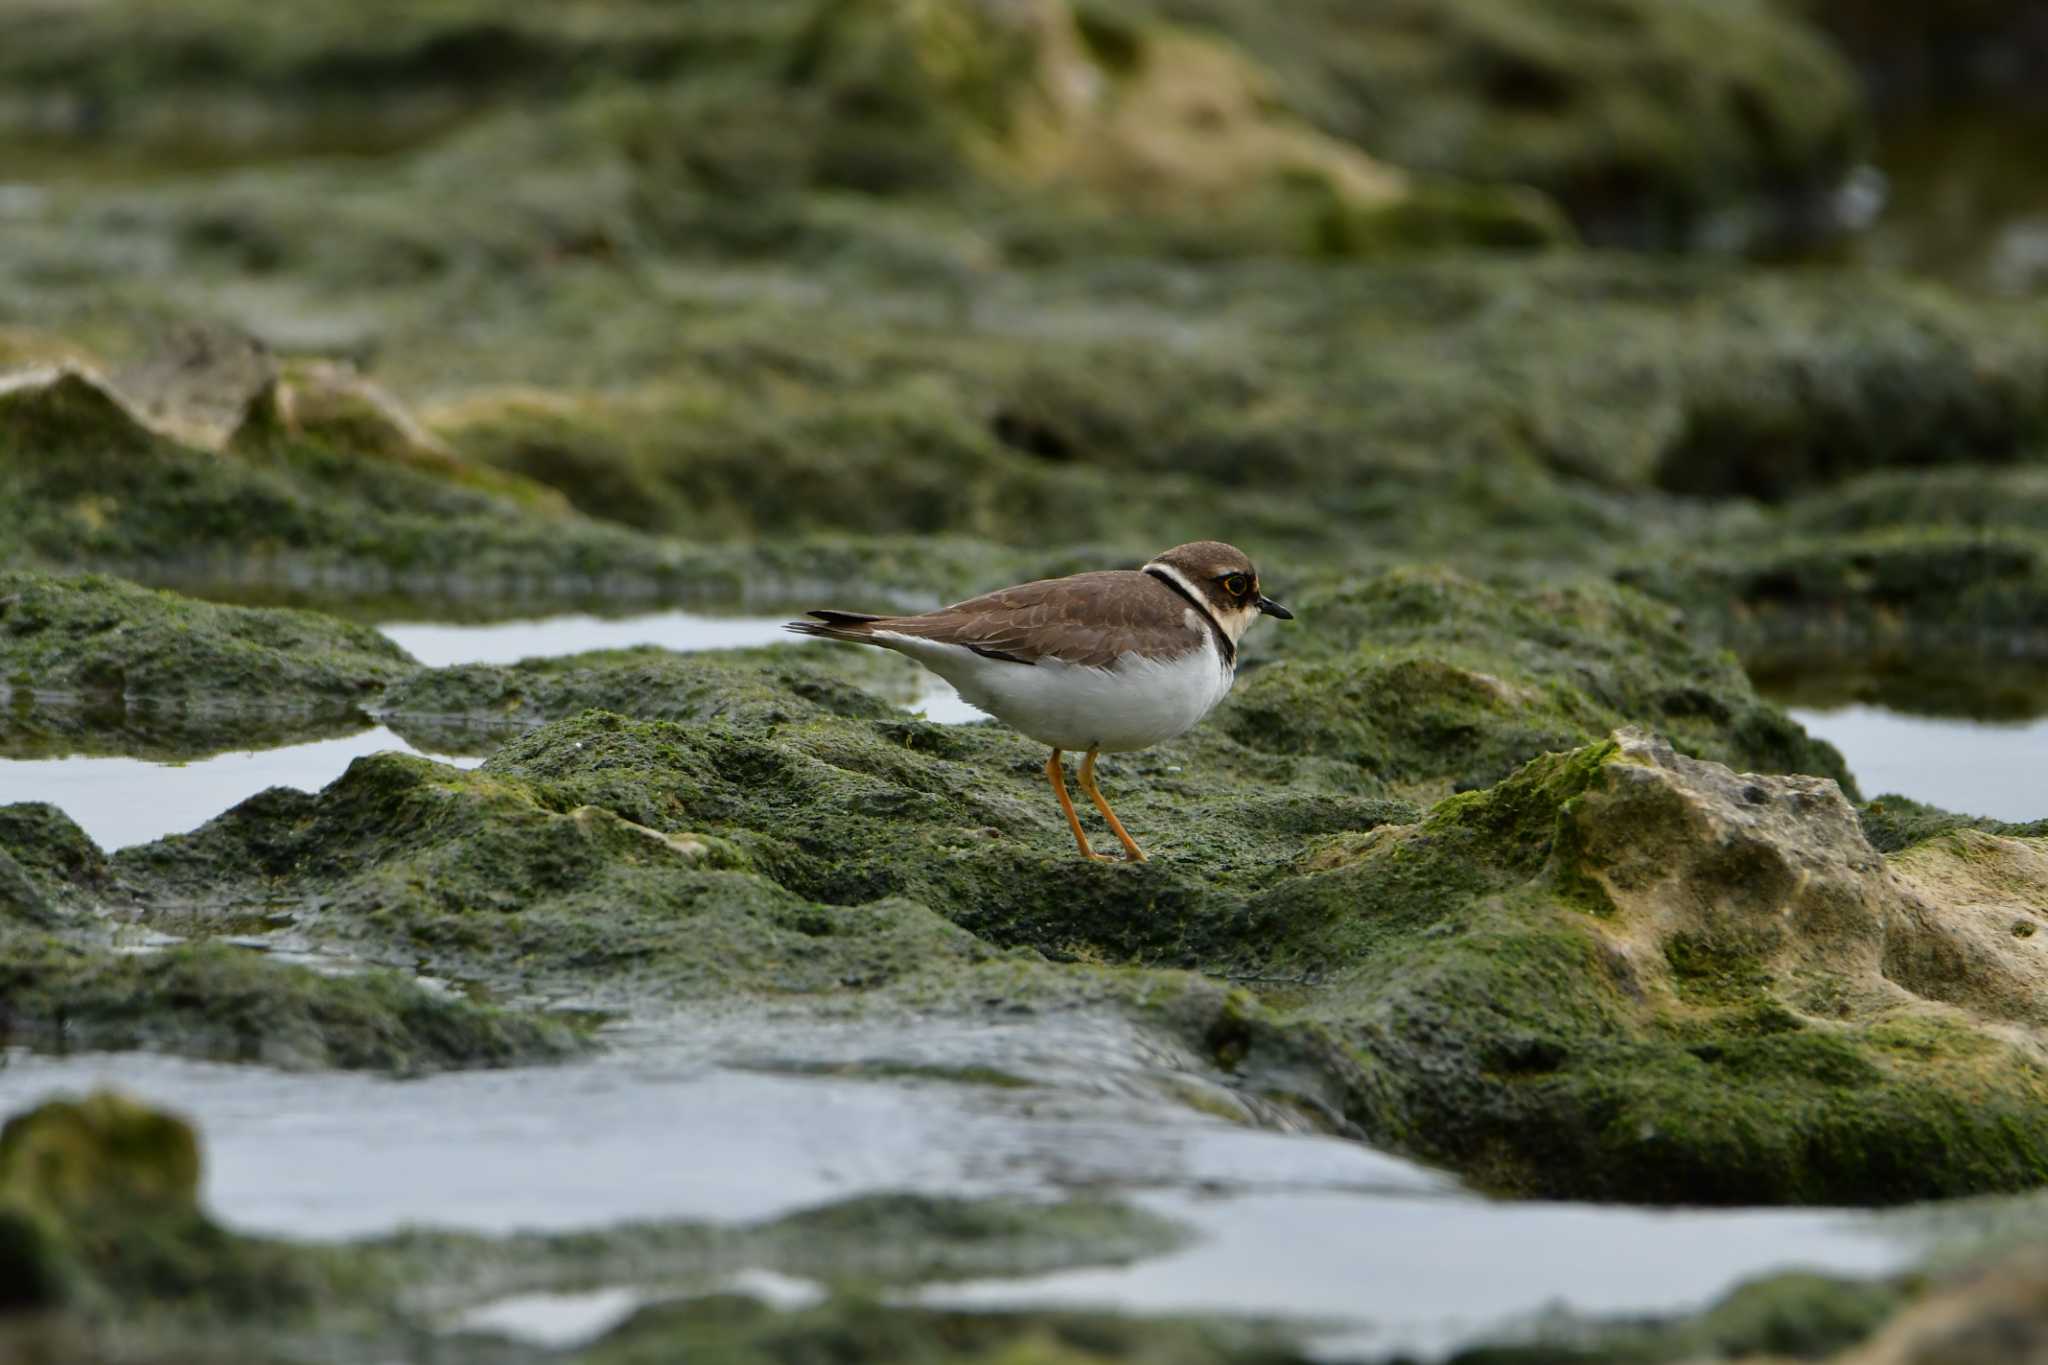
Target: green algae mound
x: 47, y: 864
x: 65, y: 983
x: 85, y: 483
x: 230, y: 1004
x: 1628, y: 974
x: 1435, y: 682
x: 94, y: 636
x: 1618, y: 972
x: 99, y: 1209
x: 1575, y: 98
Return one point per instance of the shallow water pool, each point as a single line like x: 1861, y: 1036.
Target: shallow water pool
x: 124, y: 801
x: 1380, y: 1253
x: 1973, y: 767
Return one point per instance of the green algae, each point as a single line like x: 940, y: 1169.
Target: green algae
x: 231, y: 1004
x: 47, y: 864
x: 1895, y: 823
x: 1576, y: 99
x: 83, y: 484
x: 63, y: 986
x: 93, y: 636
x: 1464, y: 963
x: 1929, y: 586
x: 102, y: 1195
x: 1420, y: 675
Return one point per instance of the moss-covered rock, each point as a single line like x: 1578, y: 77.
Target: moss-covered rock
x: 47, y: 864
x: 478, y: 706
x: 489, y: 876
x: 63, y: 987
x: 1794, y: 1316
x: 94, y: 636
x: 84, y: 482
x: 1838, y: 387
x: 1653, y: 123
x: 1895, y: 823
x: 233, y: 1004
x: 1125, y: 118
x: 1624, y: 972
x: 1620, y: 972
x: 99, y: 1210
x: 1921, y: 588
x: 1434, y: 682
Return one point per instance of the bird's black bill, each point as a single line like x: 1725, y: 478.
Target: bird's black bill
x: 1272, y: 608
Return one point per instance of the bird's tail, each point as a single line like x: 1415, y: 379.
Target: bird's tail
x: 836, y: 625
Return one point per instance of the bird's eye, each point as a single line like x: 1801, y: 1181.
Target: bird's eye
x: 1235, y: 585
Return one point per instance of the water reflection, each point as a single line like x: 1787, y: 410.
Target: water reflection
x: 124, y: 801
x: 440, y: 644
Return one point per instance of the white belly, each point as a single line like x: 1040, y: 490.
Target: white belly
x: 1133, y: 704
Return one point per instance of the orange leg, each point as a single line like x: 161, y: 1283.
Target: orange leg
x: 1116, y: 826
x: 1056, y: 774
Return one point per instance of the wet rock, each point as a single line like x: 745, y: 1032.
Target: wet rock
x: 1620, y: 972
x: 327, y: 402
x: 1994, y: 1314
x: 913, y: 454
x: 62, y: 986
x: 491, y: 876
x: 1434, y: 682
x: 98, y: 637
x: 68, y: 407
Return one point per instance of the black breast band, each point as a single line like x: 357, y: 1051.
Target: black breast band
x: 1224, y: 647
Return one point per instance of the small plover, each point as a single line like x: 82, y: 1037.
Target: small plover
x: 1097, y: 662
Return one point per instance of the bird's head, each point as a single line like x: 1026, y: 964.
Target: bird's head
x: 1223, y: 578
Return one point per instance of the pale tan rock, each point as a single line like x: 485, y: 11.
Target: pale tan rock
x: 1768, y: 883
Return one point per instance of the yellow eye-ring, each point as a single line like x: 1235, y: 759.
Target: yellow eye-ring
x: 1235, y: 585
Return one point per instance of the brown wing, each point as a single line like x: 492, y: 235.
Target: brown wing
x: 1090, y: 618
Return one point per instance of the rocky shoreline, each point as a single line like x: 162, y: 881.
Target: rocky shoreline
x: 1473, y: 321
